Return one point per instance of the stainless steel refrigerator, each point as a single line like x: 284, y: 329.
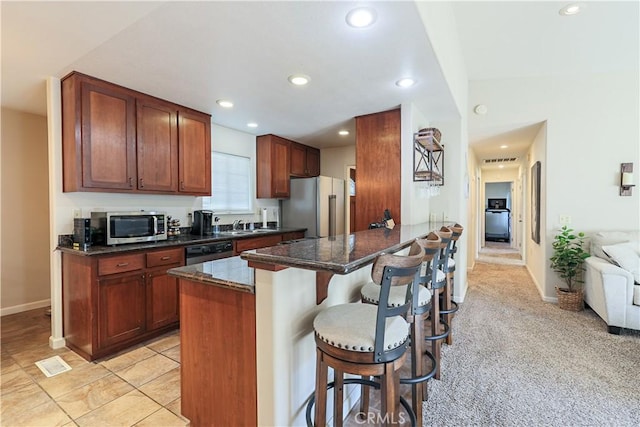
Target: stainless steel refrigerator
x: 316, y: 204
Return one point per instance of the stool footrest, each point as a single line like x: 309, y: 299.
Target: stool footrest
x: 346, y: 381
x: 452, y: 310
x: 427, y: 376
x: 442, y: 335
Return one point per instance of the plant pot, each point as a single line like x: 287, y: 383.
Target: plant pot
x: 570, y: 300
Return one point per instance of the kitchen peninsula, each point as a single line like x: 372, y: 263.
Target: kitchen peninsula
x: 247, y: 345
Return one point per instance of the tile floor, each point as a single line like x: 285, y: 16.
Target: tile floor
x: 137, y: 387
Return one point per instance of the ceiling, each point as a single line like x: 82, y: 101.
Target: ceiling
x: 195, y: 53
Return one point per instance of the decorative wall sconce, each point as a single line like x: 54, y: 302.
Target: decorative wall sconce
x: 626, y: 179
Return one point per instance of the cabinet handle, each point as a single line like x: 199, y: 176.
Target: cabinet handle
x: 141, y: 183
x: 130, y: 182
x: 122, y: 264
x: 164, y: 258
x: 182, y: 185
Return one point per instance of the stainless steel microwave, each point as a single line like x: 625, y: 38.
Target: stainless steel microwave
x: 114, y: 228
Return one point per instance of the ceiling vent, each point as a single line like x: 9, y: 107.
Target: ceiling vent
x: 501, y: 160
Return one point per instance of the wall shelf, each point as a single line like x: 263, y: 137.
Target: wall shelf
x: 428, y: 157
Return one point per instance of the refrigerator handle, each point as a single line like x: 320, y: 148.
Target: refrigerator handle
x: 332, y: 214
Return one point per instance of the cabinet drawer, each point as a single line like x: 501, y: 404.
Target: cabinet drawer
x: 120, y: 264
x: 255, y: 243
x: 166, y: 257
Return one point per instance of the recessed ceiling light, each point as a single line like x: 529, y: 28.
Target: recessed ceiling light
x: 501, y: 166
x: 405, y: 82
x: 343, y: 132
x: 504, y: 146
x: 252, y: 125
x: 299, y: 79
x: 570, y: 9
x: 224, y: 103
x: 361, y: 17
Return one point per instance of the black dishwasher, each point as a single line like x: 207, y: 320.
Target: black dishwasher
x: 208, y: 252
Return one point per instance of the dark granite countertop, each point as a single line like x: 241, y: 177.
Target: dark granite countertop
x: 345, y: 253
x: 228, y: 272
x: 182, y: 240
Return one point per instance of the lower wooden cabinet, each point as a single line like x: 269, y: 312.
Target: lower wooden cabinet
x: 111, y: 302
x: 121, y: 312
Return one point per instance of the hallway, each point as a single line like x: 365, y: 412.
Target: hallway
x: 499, y: 253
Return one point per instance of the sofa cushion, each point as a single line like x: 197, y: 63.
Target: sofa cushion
x: 604, y: 238
x: 626, y: 256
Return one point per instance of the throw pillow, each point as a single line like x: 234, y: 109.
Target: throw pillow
x: 626, y: 256
x: 605, y: 238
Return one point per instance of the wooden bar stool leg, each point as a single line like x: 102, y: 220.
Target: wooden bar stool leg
x: 338, y: 393
x: 435, y: 330
x: 417, y: 369
x: 389, y: 397
x: 364, y: 398
x: 446, y: 305
x: 321, y: 390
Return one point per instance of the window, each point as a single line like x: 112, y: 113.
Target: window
x: 230, y: 184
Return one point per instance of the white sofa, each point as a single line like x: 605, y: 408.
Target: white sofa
x: 612, y: 279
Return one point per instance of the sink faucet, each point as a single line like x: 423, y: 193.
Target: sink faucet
x: 236, y: 224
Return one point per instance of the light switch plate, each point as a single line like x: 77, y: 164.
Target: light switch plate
x: 565, y: 219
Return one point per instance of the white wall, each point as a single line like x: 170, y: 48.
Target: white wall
x: 24, y: 213
x: 334, y: 161
x: 537, y: 254
x: 593, y: 125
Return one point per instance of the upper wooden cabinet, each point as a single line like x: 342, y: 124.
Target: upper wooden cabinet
x: 273, y: 162
x: 305, y: 160
x: 118, y: 140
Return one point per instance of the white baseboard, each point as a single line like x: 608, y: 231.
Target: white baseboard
x: 55, y: 343
x: 25, y: 307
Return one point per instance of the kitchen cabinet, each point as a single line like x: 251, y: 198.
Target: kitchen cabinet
x: 241, y: 245
x: 195, y: 152
x: 111, y: 302
x: 305, y: 161
x: 273, y: 162
x: 157, y: 145
x: 118, y: 140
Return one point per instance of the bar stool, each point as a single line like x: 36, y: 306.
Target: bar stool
x: 366, y: 340
x: 420, y: 307
x: 449, y: 307
x: 439, y: 328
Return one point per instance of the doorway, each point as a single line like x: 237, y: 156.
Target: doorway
x: 500, y: 242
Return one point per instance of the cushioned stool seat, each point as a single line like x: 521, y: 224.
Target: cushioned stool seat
x: 360, y: 336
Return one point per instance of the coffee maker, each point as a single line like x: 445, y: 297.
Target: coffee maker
x: 202, y: 223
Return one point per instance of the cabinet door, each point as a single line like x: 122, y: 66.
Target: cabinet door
x: 280, y: 161
x: 298, y: 160
x: 162, y: 298
x: 241, y: 245
x: 194, y: 136
x: 157, y: 146
x: 121, y: 309
x: 108, y: 137
x: 313, y: 161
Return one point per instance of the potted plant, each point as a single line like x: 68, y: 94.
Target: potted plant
x: 568, y: 257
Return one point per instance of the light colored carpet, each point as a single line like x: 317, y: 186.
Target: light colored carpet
x: 518, y: 361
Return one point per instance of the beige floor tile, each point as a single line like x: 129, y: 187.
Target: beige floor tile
x: 126, y: 410
x: 29, y: 357
x: 164, y: 342
x: 165, y: 388
x: 8, y: 365
x: 71, y: 380
x: 127, y: 358
x: 173, y: 353
x: 91, y: 396
x: 146, y: 370
x: 175, y: 408
x: 14, y: 380
x: 13, y: 402
x: 45, y: 415
x: 164, y: 418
